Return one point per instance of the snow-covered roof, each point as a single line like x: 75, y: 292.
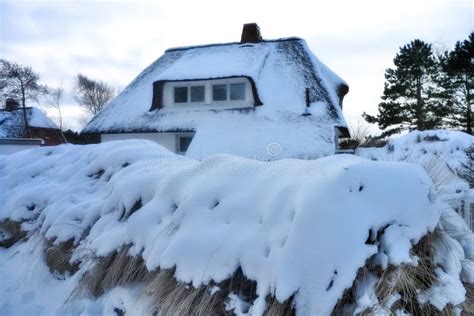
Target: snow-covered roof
x: 12, y: 124
x: 281, y: 71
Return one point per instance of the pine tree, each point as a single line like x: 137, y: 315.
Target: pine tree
x: 410, y: 98
x: 457, y: 80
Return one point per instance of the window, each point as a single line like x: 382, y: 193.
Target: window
x: 237, y: 91
x: 180, y: 94
x: 197, y: 94
x: 183, y: 143
x: 219, y: 92
x: 222, y: 93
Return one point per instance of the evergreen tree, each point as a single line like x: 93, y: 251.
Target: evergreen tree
x: 410, y: 98
x: 457, y: 80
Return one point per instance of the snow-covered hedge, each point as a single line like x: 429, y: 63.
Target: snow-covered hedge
x: 300, y: 230
x: 451, y: 153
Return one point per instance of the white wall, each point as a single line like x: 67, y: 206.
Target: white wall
x: 6, y: 149
x: 167, y: 140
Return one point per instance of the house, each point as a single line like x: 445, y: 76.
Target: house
x: 13, y: 134
x: 263, y: 99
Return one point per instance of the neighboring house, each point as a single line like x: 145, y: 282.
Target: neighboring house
x: 13, y: 135
x: 264, y: 99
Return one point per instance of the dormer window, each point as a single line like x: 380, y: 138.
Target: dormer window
x: 224, y: 93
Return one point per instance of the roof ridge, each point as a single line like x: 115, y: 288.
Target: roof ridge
x: 283, y: 39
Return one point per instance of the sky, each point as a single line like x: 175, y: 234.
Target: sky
x: 115, y: 40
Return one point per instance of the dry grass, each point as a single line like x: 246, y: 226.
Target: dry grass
x: 58, y: 257
x: 11, y: 233
x: 409, y: 280
x: 405, y: 280
x: 275, y: 308
x: 176, y: 298
x: 171, y: 297
x: 468, y: 306
x: 116, y: 269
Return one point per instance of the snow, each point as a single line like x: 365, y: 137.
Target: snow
x: 12, y: 125
x: 329, y: 79
x: 233, y: 60
x: 281, y: 70
x: 446, y: 145
x: 263, y: 139
x: 27, y: 286
x: 298, y: 228
x: 236, y: 304
x: 365, y: 294
x: 39, y: 119
x: 442, y: 153
x: 448, y: 289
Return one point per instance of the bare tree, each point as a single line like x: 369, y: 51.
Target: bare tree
x: 54, y: 100
x: 20, y: 83
x: 91, y: 94
x: 360, y: 134
x: 360, y: 130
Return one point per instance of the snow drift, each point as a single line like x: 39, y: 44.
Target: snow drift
x: 300, y: 230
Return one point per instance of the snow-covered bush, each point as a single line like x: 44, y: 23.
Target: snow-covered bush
x: 128, y: 227
x: 446, y: 155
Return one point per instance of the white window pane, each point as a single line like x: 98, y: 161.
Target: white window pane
x: 219, y: 92
x: 237, y: 91
x: 180, y: 94
x: 197, y: 94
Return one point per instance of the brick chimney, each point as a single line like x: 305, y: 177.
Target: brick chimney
x: 11, y: 104
x: 251, y: 33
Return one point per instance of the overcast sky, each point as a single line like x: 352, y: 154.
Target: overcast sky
x: 115, y: 40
